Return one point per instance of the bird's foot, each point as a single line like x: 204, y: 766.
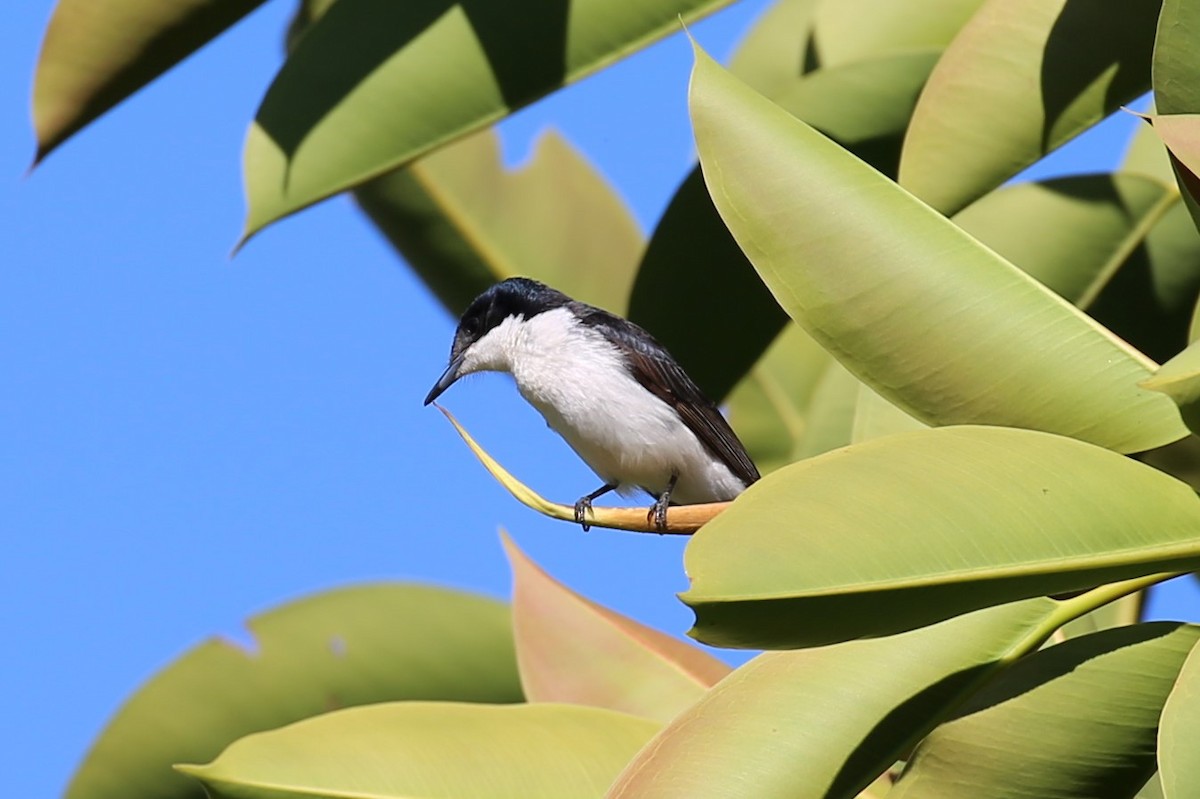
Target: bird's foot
x: 657, y: 517
x: 583, y: 508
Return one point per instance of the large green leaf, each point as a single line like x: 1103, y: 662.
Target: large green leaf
x: 693, y: 259
x: 1071, y: 233
x: 1120, y: 245
x: 1022, y: 78
x: 915, y: 307
x: 572, y: 650
x: 855, y: 30
x: 1118, y: 613
x: 96, y: 54
x: 1150, y: 300
x: 1176, y: 59
x: 778, y: 49
x: 909, y: 529
x: 375, y: 84
x: 1076, y: 720
x: 1179, y: 379
x: 1180, y: 133
x: 1178, y: 756
x: 463, y: 222
x: 826, y: 722
x: 347, y: 647
x: 433, y: 750
x: 829, y: 418
x: 875, y: 417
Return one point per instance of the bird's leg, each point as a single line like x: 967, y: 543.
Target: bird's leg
x: 658, y: 511
x: 584, y: 505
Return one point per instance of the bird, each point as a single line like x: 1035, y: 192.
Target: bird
x: 617, y: 396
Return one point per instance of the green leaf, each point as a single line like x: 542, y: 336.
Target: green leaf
x: 463, y: 222
x: 976, y: 516
x: 97, y: 54
x: 865, y: 106
x: 1181, y: 135
x: 346, y: 647
x: 916, y: 308
x: 1179, y: 379
x: 1072, y: 233
x: 1121, y: 245
x: 572, y: 650
x: 1176, y: 65
x: 431, y: 749
x: 827, y: 721
x: 875, y: 417
x: 769, y: 409
x: 1075, y: 720
x: 778, y: 49
x: 1118, y: 613
x: 829, y: 419
x: 1178, y: 759
x: 693, y: 259
x: 375, y: 84
x: 1150, y: 300
x: 1022, y: 78
x: 693, y: 270
x: 858, y: 30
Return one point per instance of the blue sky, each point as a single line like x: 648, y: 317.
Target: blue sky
x: 190, y: 439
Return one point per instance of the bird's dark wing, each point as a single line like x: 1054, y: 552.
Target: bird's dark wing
x: 658, y: 373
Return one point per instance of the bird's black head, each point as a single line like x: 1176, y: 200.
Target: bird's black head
x: 516, y: 296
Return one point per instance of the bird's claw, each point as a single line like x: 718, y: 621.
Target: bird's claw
x: 583, y: 507
x: 658, y: 515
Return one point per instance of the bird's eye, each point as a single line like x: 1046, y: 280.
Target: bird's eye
x: 470, y: 326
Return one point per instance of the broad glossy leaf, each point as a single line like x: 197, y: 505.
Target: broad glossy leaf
x: 1152, y: 789
x: 572, y: 650
x: 1179, y: 379
x: 829, y: 419
x: 96, y: 54
x: 693, y: 259
x: 1178, y: 757
x: 1176, y: 59
x: 865, y: 106
x: 875, y: 417
x: 1120, y: 245
x: 1022, y: 78
x: 1072, y: 233
x: 827, y: 721
x: 854, y: 30
x: 1118, y: 613
x: 699, y: 296
x: 463, y: 222
x: 769, y: 409
x: 346, y: 647
x: 433, y: 750
x: 911, y: 304
x: 1150, y: 300
x: 375, y: 84
x: 913, y: 528
x: 1075, y: 720
x: 778, y: 49
x: 1181, y: 135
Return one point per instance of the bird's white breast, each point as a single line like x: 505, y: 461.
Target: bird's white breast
x: 580, y: 384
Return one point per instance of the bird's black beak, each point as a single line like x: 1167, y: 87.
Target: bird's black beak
x: 445, y: 381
